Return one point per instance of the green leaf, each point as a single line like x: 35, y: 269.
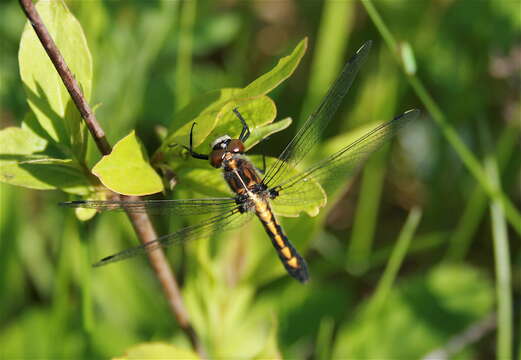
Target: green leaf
x: 256, y: 112
x: 270, y: 349
x: 14, y: 140
x: 216, y: 107
x: 126, y: 169
x: 158, y: 350
x: 41, y: 173
x: 278, y: 74
x: 232, y: 323
x: 263, y: 132
x: 46, y: 94
x: 429, y: 309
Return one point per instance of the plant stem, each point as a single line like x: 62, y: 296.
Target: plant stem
x: 450, y: 134
x: 140, y: 221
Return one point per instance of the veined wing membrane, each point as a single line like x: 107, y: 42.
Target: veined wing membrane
x: 309, y: 134
x: 226, y: 221
x: 186, y: 207
x: 333, y: 169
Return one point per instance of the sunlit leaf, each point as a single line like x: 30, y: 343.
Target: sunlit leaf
x: 126, y: 169
x: 270, y: 349
x: 157, y: 350
x: 278, y: 74
x: 41, y: 173
x: 46, y: 94
x: 263, y: 132
x: 233, y: 327
x: 207, y: 110
x: 14, y: 140
x: 256, y: 112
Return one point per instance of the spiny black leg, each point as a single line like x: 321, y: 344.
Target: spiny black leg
x: 190, y: 149
x: 245, y: 133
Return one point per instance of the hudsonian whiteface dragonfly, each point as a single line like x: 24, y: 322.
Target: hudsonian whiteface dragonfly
x: 256, y: 192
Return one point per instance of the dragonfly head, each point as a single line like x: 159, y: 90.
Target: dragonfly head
x: 222, y: 146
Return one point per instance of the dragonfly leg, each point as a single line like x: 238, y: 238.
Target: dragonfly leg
x: 263, y: 164
x: 190, y: 149
x: 245, y: 133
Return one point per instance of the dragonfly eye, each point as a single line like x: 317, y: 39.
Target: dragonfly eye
x: 216, y: 158
x: 235, y: 146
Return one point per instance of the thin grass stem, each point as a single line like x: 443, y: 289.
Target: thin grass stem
x: 501, y: 257
x: 395, y: 261
x: 450, y: 134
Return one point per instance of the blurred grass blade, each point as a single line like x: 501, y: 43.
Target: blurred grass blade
x: 328, y: 55
x: 505, y: 314
x: 395, y: 261
x: 424, y: 243
x: 408, y: 60
x: 183, y: 71
x: 60, y: 291
x: 87, y: 314
x: 461, y: 238
x: 325, y: 338
x: 450, y: 134
x: 366, y: 216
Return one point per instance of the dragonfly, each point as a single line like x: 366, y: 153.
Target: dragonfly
x: 256, y: 192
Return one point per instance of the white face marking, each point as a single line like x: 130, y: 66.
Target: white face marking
x: 221, y: 139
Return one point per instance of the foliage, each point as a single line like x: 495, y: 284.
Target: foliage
x: 151, y: 70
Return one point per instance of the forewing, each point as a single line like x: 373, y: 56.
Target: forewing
x: 310, y: 133
x: 334, y: 169
x: 229, y: 220
x: 185, y: 207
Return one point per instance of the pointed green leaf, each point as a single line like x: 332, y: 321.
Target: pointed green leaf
x: 46, y: 94
x: 41, y: 173
x: 216, y: 107
x: 278, y: 74
x: 221, y: 120
x: 263, y: 132
x: 126, y: 169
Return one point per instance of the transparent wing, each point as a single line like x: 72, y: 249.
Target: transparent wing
x: 335, y: 168
x: 310, y: 133
x: 229, y: 220
x: 176, y: 207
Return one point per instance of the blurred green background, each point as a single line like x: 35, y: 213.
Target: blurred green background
x: 405, y: 263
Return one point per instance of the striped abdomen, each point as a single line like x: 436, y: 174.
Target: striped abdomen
x: 291, y: 259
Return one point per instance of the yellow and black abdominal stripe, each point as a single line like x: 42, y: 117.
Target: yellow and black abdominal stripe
x: 293, y: 262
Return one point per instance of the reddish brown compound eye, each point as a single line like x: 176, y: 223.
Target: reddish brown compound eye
x: 235, y: 146
x: 216, y: 158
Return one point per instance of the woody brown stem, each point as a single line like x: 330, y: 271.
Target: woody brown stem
x: 140, y: 221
